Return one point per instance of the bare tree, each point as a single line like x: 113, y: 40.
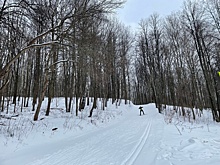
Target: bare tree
x: 199, y: 29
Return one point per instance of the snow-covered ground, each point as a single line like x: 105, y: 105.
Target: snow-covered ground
x: 116, y: 136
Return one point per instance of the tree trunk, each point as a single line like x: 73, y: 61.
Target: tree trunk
x: 48, y: 106
x: 41, y: 98
x: 36, y: 79
x: 94, y: 106
x: 16, y: 82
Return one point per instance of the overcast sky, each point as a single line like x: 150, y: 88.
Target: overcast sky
x: 135, y: 10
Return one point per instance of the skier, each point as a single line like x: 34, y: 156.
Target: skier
x: 141, y: 110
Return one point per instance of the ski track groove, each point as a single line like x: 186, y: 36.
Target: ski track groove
x: 137, y: 150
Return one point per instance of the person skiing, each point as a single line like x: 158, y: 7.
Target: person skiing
x: 141, y: 110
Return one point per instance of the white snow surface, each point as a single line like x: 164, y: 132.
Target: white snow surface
x: 115, y: 136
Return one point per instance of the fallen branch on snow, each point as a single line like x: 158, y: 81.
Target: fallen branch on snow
x: 7, y: 117
x: 3, y: 124
x: 178, y: 129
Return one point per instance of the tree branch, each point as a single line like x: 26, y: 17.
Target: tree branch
x: 7, y: 66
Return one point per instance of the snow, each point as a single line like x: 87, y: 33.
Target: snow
x: 115, y: 136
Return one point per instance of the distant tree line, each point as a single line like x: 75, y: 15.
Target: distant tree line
x: 62, y: 48
x: 77, y: 49
x: 178, y: 58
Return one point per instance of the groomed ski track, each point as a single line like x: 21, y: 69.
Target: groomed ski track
x: 126, y: 141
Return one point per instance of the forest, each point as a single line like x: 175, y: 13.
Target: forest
x: 78, y: 48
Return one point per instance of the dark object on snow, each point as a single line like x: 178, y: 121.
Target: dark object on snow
x: 3, y: 124
x: 141, y: 110
x: 54, y: 129
x: 7, y: 117
x: 15, y: 115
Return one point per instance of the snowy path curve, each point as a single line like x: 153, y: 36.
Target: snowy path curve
x: 108, y: 144
x: 126, y: 141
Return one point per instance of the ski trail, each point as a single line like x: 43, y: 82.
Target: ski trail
x: 136, y: 151
x: 120, y: 143
x: 120, y: 137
